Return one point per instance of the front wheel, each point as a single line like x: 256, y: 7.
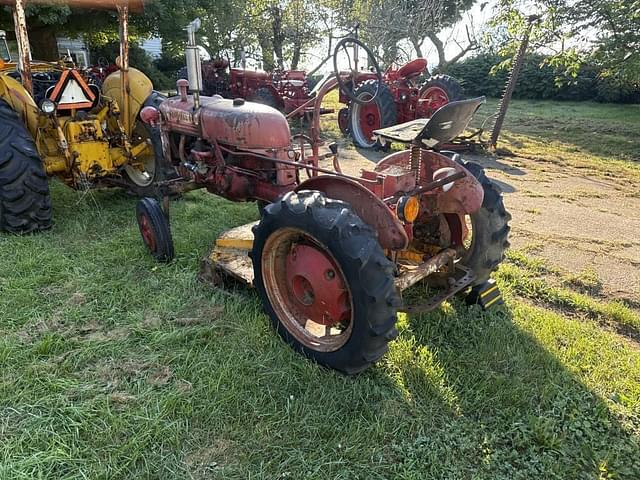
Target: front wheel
x: 155, y: 229
x: 343, y: 121
x: 324, y: 281
x: 143, y: 174
x: 436, y: 92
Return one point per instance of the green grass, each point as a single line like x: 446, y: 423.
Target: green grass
x: 112, y: 366
x: 600, y: 137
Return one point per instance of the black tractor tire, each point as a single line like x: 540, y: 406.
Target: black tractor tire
x: 266, y: 96
x: 25, y: 201
x: 343, y: 120
x: 155, y: 229
x: 387, y: 112
x: 366, y: 270
x: 447, y: 83
x: 490, y: 229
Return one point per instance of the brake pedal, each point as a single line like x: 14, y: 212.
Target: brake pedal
x: 486, y: 295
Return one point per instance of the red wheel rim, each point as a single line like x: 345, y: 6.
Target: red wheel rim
x: 435, y: 97
x: 368, y: 119
x: 146, y: 230
x: 307, y: 290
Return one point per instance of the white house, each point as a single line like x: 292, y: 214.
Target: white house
x: 77, y: 49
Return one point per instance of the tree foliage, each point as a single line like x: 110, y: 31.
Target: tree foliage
x: 388, y: 24
x: 538, y: 80
x: 603, y: 32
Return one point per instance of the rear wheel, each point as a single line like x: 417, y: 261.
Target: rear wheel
x: 365, y: 118
x: 438, y: 91
x: 324, y: 281
x: 487, y: 229
x: 25, y: 202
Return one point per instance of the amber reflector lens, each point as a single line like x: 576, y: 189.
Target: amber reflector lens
x: 408, y: 209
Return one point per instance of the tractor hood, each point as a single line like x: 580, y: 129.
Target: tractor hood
x: 236, y: 122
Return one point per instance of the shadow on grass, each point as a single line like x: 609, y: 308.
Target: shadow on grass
x: 511, y: 408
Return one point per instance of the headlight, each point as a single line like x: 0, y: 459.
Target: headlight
x: 48, y: 107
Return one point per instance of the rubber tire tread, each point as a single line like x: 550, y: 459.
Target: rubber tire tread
x: 368, y: 272
x: 491, y: 225
x: 446, y: 83
x: 25, y: 200
x: 151, y: 208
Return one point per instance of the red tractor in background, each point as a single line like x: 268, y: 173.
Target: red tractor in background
x: 399, y: 99
x: 284, y: 90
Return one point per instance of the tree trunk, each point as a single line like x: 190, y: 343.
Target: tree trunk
x: 44, y: 44
x: 267, y: 51
x: 295, y: 58
x: 278, y: 36
x: 442, y: 60
x: 417, y: 45
x: 443, y: 63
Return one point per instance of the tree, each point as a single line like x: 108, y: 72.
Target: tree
x: 606, y: 32
x: 385, y: 24
x: 45, y: 23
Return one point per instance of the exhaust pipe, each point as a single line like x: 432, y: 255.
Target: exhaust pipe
x: 194, y: 66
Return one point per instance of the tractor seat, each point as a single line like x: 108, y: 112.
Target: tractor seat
x: 445, y: 124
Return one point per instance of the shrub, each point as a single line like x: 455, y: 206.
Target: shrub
x: 538, y: 80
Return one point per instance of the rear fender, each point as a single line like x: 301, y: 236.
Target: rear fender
x: 466, y: 195
x: 12, y: 92
x: 365, y: 204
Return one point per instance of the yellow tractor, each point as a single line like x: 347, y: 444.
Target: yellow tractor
x: 56, y: 123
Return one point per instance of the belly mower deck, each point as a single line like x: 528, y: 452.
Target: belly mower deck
x: 229, y: 260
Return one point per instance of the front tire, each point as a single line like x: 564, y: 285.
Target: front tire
x: 438, y: 91
x: 155, y: 229
x: 324, y: 281
x: 343, y: 121
x: 25, y: 201
x: 380, y: 113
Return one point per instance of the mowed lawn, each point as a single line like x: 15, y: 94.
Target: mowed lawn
x: 112, y: 366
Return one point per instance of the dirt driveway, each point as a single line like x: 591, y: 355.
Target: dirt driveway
x: 581, y: 221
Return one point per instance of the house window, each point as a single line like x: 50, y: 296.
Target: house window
x: 4, y: 48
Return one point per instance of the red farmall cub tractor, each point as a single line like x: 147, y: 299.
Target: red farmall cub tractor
x: 284, y: 90
x: 398, y: 99
x: 332, y: 254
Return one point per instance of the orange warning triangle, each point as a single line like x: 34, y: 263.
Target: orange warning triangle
x: 72, y: 92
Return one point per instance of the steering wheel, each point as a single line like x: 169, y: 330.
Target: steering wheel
x: 103, y: 62
x: 348, y: 87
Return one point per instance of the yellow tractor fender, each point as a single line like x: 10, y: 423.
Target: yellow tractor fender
x: 140, y: 88
x: 12, y: 92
